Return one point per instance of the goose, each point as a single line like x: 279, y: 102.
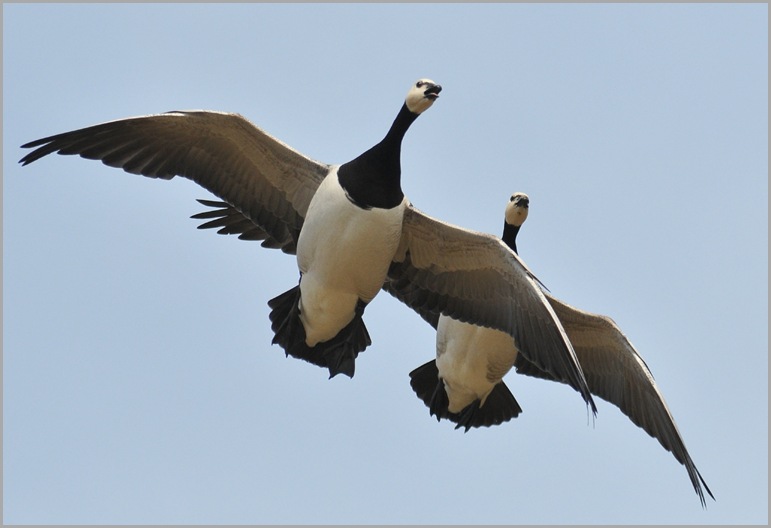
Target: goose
x: 349, y: 226
x: 354, y: 211
x: 464, y: 383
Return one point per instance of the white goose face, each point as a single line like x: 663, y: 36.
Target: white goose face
x: 422, y: 95
x: 517, y: 208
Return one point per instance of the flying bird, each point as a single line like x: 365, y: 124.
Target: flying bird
x: 464, y: 383
x: 350, y: 227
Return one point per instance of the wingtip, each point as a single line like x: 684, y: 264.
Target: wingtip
x: 701, y: 486
x: 26, y: 160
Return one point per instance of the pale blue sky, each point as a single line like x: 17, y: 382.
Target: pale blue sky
x: 140, y: 385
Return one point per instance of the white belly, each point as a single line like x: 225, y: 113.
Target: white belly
x: 343, y: 254
x: 471, y: 360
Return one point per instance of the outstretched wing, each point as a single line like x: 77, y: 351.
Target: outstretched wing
x: 262, y: 178
x: 475, y: 278
x: 616, y: 373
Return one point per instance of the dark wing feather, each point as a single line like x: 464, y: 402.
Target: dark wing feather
x: 616, y: 373
x: 261, y: 177
x: 231, y: 222
x: 474, y: 277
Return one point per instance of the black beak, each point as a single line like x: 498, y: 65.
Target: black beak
x: 433, y: 91
x: 521, y: 201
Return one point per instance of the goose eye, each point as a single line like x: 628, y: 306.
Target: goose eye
x: 419, y: 84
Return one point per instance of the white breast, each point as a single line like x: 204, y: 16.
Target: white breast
x: 471, y: 360
x: 343, y: 253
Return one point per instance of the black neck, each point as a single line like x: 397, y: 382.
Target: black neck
x: 510, y: 235
x: 373, y: 179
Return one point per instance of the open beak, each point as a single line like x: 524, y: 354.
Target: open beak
x: 432, y: 92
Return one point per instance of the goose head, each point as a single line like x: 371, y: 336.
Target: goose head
x: 517, y: 209
x: 422, y: 95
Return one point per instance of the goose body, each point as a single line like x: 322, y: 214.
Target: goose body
x: 343, y: 257
x: 470, y: 377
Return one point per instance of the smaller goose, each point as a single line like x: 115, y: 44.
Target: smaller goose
x: 464, y: 383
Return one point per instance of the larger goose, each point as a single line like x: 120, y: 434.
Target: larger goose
x: 331, y: 216
x: 464, y: 384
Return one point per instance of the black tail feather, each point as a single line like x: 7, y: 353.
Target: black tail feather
x: 468, y: 417
x: 425, y: 381
x: 288, y: 329
x: 341, y: 351
x: 338, y: 354
x: 500, y: 405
